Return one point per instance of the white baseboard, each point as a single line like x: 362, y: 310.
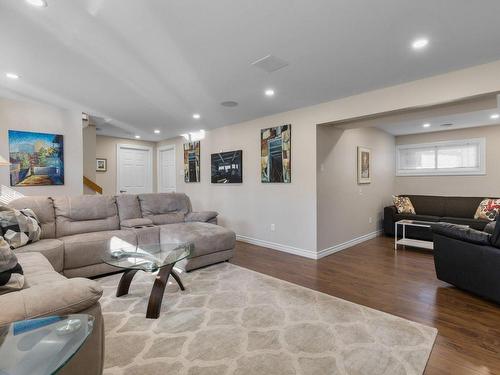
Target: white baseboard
x: 347, y: 244
x: 308, y: 253
x: 276, y: 246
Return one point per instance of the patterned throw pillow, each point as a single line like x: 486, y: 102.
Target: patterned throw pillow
x: 403, y: 205
x: 488, y: 209
x: 11, y: 272
x: 19, y: 228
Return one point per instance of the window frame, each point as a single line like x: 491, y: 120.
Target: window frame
x: 481, y: 170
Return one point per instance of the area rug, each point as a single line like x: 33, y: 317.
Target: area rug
x: 231, y: 320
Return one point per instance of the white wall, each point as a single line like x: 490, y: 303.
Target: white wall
x: 29, y: 116
x: 344, y: 207
x: 487, y: 185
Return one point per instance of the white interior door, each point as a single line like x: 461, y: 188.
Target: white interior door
x: 166, y: 169
x: 134, y: 169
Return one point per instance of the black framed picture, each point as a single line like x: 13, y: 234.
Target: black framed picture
x: 227, y: 167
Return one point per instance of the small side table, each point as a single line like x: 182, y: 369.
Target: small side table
x: 42, y: 346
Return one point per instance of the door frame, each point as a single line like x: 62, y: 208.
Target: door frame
x: 149, y: 176
x: 158, y: 165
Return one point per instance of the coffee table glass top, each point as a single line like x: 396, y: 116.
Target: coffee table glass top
x: 42, y: 346
x: 149, y: 258
x: 416, y: 222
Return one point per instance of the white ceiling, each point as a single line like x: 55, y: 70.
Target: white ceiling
x: 151, y: 64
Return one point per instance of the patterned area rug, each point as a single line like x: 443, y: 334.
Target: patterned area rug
x: 231, y: 320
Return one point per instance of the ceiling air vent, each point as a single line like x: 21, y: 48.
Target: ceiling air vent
x: 447, y: 125
x: 229, y: 103
x: 270, y: 63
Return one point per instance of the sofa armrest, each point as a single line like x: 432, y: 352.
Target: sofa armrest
x: 461, y: 233
x: 389, y: 213
x: 63, y: 297
x: 203, y: 216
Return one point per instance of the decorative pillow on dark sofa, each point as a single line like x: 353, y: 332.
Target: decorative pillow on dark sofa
x: 11, y: 272
x: 488, y: 209
x: 19, y: 228
x: 403, y: 205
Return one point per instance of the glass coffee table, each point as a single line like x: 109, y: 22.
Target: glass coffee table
x: 159, y: 258
x: 42, y: 346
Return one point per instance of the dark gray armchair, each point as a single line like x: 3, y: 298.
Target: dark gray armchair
x: 468, y: 258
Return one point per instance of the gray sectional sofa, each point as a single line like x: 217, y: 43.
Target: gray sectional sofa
x: 76, y: 231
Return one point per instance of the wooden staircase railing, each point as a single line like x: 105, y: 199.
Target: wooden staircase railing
x: 92, y: 185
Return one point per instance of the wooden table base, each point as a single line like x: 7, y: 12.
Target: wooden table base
x: 156, y: 296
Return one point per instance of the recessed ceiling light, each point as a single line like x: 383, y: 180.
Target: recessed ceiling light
x: 137, y: 137
x: 426, y: 125
x: 157, y: 131
x: 37, y: 3
x: 420, y: 43
x: 12, y: 75
x: 196, y: 116
x: 269, y: 92
x: 494, y: 116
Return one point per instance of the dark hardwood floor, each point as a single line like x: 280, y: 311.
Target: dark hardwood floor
x: 403, y: 284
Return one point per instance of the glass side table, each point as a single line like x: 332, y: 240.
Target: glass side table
x: 42, y: 346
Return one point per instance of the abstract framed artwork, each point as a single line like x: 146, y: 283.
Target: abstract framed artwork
x: 275, y: 154
x: 192, y: 161
x: 101, y: 165
x: 364, y: 165
x: 36, y: 159
x: 227, y: 167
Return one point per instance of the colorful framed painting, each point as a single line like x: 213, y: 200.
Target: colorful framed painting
x: 192, y: 161
x: 36, y: 159
x: 275, y: 154
x: 227, y: 167
x: 364, y: 165
x: 101, y: 165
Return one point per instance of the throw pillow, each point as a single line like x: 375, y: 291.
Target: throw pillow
x: 11, y: 272
x: 19, y: 227
x: 488, y: 209
x: 403, y: 205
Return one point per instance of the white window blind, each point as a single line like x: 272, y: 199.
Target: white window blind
x: 462, y: 157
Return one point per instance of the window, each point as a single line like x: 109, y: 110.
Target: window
x: 462, y: 157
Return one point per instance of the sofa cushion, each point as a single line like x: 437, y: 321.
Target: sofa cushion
x: 433, y: 219
x: 48, y: 293
x: 84, y: 214
x: 203, y: 216
x: 11, y: 272
x: 128, y: 207
x: 428, y: 205
x: 165, y: 208
x: 461, y: 206
x: 85, y: 249
x: 495, y: 237
x: 43, y: 207
x: 19, y: 227
x: 52, y: 249
x: 207, y: 238
x: 136, y: 223
x: 474, y: 224
x: 462, y: 233
x: 490, y: 227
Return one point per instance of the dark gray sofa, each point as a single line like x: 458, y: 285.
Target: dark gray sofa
x: 455, y: 210
x: 468, y: 259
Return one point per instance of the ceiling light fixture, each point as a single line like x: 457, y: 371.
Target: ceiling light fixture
x: 426, y: 125
x: 157, y: 131
x: 12, y: 75
x: 269, y: 92
x: 494, y: 116
x: 37, y: 3
x: 420, y: 43
x: 196, y: 116
x: 137, y: 137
